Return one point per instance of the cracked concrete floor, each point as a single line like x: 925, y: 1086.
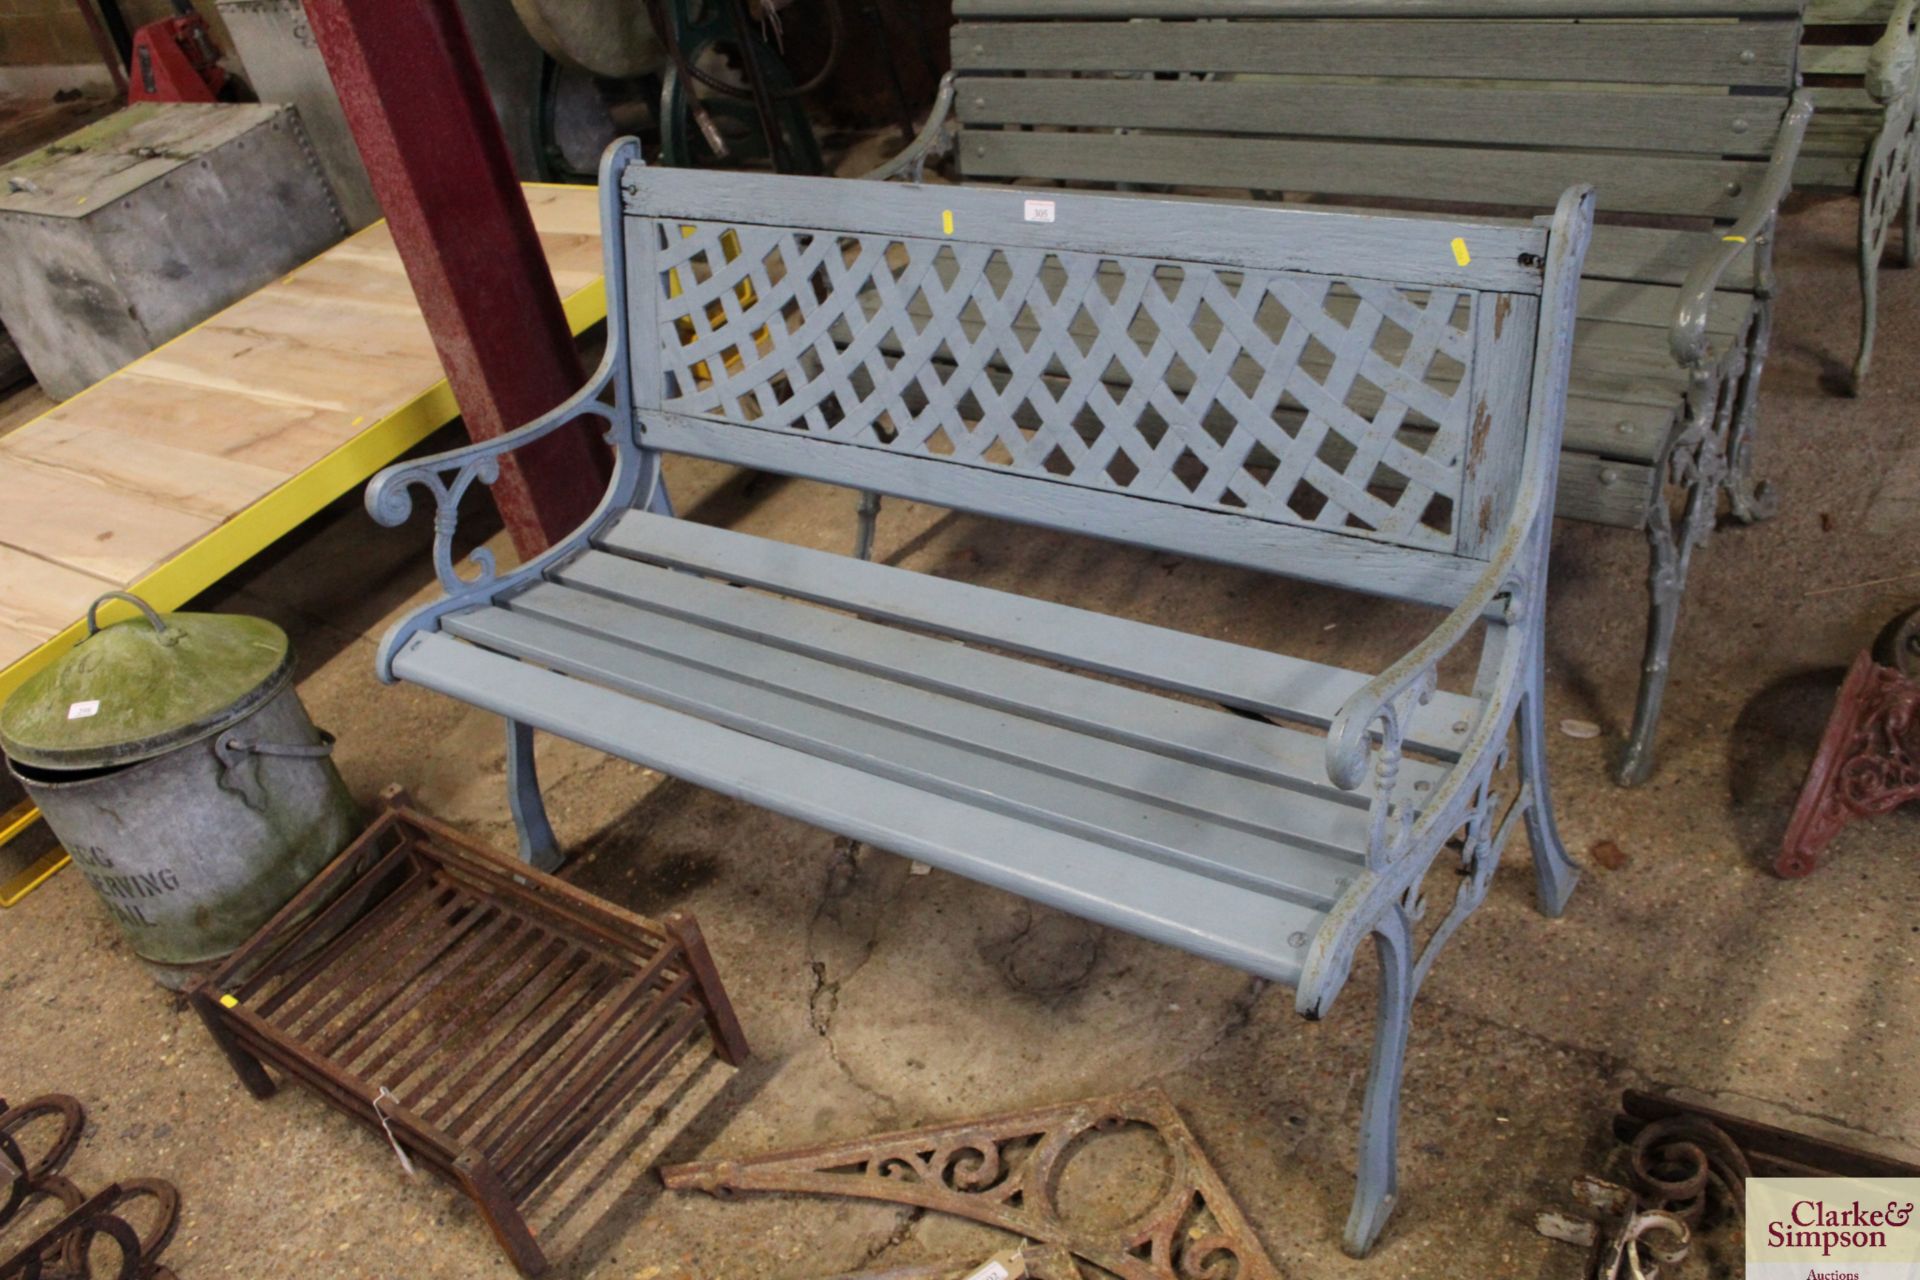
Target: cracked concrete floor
x: 877, y: 998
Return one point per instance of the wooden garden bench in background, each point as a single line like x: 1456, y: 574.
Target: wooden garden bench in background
x: 926, y: 342
x: 1859, y: 56
x: 1682, y: 113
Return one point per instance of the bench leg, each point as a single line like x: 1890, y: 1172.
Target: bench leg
x: 1873, y: 242
x: 538, y: 848
x: 1750, y: 501
x: 1670, y: 555
x: 1554, y: 873
x: 1379, y: 1180
x: 869, y: 518
x: 1910, y: 228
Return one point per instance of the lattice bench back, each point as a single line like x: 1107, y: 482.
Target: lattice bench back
x: 1666, y: 106
x: 1298, y: 390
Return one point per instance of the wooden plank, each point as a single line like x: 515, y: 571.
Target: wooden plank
x: 230, y: 424
x: 135, y: 467
x: 1198, y: 666
x: 1760, y: 53
x: 1708, y: 123
x: 1821, y: 13
x: 40, y: 598
x: 1221, y: 921
x: 1306, y: 848
x: 1460, y: 175
x: 1319, y: 555
x: 91, y: 525
x: 1290, y: 238
x: 1602, y: 491
x: 1833, y: 60
x: 1829, y: 102
x: 1202, y: 735
x: 1585, y: 9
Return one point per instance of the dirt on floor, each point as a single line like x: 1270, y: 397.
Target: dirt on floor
x: 878, y: 998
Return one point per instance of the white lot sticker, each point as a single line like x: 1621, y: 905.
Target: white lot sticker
x: 81, y: 710
x: 995, y: 1270
x: 1039, y: 211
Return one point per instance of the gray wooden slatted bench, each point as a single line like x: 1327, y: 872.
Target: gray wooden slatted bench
x: 1859, y: 57
x: 891, y: 707
x: 1683, y: 114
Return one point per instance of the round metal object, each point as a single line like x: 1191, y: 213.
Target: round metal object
x: 137, y: 1250
x: 613, y: 39
x: 73, y: 1119
x: 140, y: 688
x: 207, y: 801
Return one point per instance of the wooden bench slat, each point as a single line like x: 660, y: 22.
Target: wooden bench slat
x: 1849, y: 12
x: 1199, y: 735
x: 1626, y: 183
x: 1833, y: 60
x: 1198, y: 666
x: 1705, y: 123
x: 1253, y: 931
x: 1305, y: 846
x: 1759, y: 53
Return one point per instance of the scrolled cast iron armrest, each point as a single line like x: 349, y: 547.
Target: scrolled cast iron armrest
x: 1688, y: 337
x: 1388, y: 698
x: 448, y: 476
x: 1891, y: 60
x: 935, y: 137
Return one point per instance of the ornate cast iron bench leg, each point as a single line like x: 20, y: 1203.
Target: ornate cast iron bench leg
x: 538, y: 847
x: 1379, y: 1180
x: 1554, y: 872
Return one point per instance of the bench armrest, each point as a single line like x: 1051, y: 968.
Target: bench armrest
x: 1890, y: 62
x: 934, y: 138
x: 448, y: 476
x: 1509, y: 593
x: 1688, y: 338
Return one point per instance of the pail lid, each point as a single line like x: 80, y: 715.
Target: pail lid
x: 140, y: 688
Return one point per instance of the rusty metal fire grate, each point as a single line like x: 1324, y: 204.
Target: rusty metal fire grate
x: 482, y: 1017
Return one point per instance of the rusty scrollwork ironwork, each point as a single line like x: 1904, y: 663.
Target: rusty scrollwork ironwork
x: 1004, y: 1171
x: 65, y: 1250
x: 1868, y: 762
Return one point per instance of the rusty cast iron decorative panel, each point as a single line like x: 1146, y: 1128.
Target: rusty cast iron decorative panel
x: 1868, y: 763
x: 1004, y: 1171
x: 483, y: 1017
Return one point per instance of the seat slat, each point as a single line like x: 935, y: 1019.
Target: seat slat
x: 1303, y: 845
x: 1708, y: 123
x: 1198, y: 666
x: 1756, y: 53
x: 1200, y: 736
x: 1261, y: 933
x: 1688, y: 185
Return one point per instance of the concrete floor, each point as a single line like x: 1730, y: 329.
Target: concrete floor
x: 876, y: 998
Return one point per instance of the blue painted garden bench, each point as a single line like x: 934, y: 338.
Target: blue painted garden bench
x: 1376, y: 404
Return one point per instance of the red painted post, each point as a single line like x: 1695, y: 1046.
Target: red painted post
x: 419, y: 109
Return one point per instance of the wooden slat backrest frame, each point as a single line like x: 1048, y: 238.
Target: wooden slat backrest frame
x: 1669, y: 109
x: 793, y: 345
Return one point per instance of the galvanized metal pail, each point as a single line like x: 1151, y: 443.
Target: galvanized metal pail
x: 174, y: 760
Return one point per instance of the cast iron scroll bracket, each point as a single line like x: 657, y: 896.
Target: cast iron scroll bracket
x: 1003, y: 1171
x: 1868, y: 763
